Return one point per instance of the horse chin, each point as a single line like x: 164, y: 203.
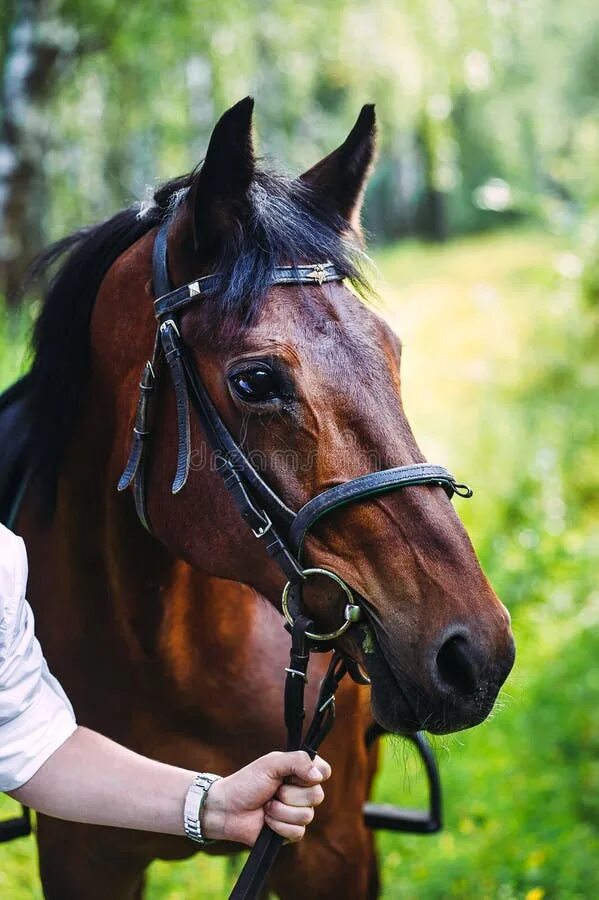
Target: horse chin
x: 390, y: 705
x: 400, y: 708
x: 389, y: 708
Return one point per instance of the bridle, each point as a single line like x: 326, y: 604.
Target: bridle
x: 281, y: 530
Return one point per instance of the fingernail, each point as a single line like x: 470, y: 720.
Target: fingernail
x: 315, y: 774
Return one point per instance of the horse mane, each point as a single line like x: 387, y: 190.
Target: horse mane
x: 285, y: 224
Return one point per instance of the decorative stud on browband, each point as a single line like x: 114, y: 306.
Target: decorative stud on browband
x: 318, y: 274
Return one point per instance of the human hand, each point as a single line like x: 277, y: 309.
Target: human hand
x: 238, y: 806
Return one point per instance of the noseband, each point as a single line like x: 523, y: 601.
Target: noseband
x: 281, y: 530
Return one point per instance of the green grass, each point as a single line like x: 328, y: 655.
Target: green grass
x: 501, y: 369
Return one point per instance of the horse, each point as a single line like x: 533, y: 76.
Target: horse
x: 170, y: 639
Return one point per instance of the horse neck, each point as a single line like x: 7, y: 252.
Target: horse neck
x: 159, y: 619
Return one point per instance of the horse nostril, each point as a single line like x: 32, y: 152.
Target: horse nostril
x: 457, y: 666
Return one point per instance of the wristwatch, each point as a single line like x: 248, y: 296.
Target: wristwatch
x: 194, y: 804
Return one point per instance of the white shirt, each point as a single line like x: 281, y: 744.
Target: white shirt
x: 35, y: 714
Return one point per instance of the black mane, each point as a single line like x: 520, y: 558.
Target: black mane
x: 285, y: 224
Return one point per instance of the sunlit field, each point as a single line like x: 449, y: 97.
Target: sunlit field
x: 500, y: 381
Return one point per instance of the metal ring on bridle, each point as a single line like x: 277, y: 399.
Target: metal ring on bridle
x: 352, y: 611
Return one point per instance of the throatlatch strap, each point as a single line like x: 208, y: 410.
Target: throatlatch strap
x: 171, y: 346
x: 135, y: 469
x: 140, y: 428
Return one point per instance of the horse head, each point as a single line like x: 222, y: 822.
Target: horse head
x: 306, y: 377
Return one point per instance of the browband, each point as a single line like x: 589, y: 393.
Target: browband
x: 172, y: 301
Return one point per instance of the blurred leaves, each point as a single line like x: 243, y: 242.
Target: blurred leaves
x: 509, y: 90
x: 501, y: 369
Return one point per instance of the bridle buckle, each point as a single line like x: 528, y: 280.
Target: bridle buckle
x: 263, y: 529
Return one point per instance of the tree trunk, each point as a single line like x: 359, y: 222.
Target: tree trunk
x: 38, y: 43
x: 432, y: 213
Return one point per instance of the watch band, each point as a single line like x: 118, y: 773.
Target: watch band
x: 194, y: 804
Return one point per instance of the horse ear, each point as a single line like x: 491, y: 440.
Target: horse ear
x: 219, y: 191
x: 342, y: 175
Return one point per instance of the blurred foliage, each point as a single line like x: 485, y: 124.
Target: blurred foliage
x: 500, y: 372
x: 504, y: 90
x: 501, y: 369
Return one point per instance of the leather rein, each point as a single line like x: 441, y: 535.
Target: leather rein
x: 281, y: 530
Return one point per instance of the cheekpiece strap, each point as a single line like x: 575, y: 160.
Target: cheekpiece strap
x: 161, y: 281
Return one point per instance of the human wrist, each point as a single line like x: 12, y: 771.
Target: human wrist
x: 213, y: 815
x: 194, y: 821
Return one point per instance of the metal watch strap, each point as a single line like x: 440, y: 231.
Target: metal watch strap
x: 194, y: 804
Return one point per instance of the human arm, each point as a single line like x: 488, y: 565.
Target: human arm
x: 90, y: 778
x: 50, y: 764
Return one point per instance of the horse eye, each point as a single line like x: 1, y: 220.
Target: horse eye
x: 255, y: 385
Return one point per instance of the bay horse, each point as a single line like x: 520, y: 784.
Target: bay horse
x: 170, y: 640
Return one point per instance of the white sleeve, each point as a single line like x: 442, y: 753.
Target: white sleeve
x: 35, y: 715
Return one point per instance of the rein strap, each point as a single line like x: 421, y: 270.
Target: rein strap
x: 264, y: 852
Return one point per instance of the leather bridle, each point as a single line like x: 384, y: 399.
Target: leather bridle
x: 281, y: 530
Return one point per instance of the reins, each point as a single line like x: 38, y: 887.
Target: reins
x: 264, y: 852
x: 281, y: 530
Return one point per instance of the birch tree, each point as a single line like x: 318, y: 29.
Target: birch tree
x: 38, y: 44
